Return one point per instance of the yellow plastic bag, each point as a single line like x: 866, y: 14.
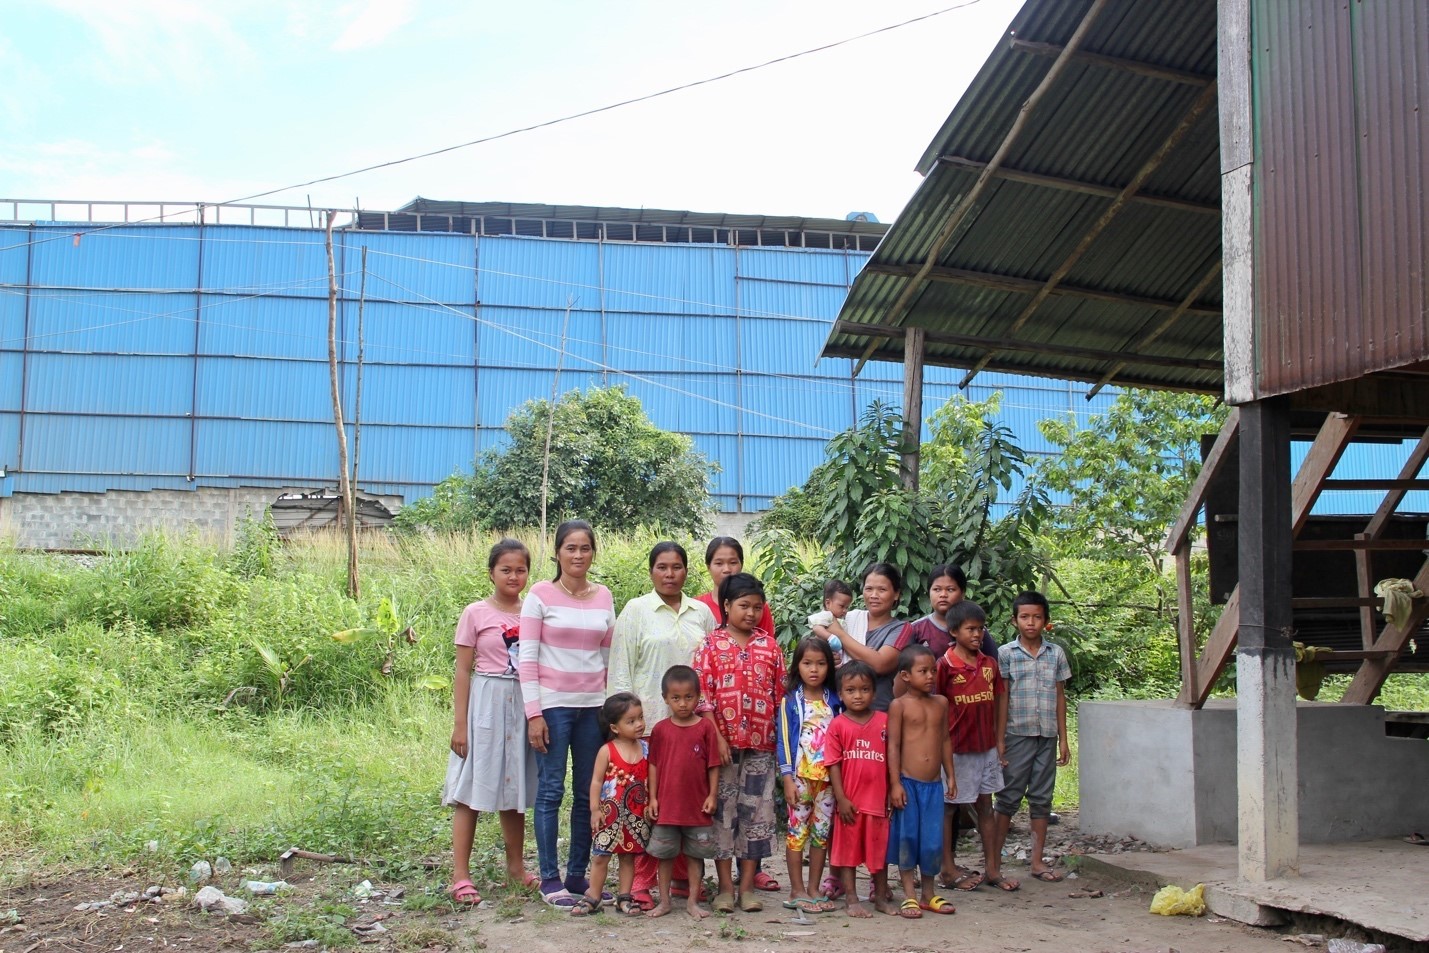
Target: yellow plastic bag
x: 1172, y: 901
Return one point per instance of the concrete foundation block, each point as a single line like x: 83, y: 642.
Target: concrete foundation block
x: 1224, y: 900
x: 1167, y: 775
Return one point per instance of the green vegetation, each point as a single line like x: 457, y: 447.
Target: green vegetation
x: 608, y: 464
x: 236, y: 702
x: 857, y: 510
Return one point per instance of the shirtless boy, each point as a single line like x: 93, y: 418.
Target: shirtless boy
x: 920, y: 763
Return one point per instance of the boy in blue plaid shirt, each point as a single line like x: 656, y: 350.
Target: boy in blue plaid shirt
x: 1031, y: 732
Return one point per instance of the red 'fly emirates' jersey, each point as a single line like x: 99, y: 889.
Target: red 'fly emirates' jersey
x: 861, y: 752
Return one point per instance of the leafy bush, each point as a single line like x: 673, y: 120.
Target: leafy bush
x: 864, y: 514
x: 608, y: 464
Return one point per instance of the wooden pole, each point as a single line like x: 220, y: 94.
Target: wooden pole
x: 913, y: 352
x: 344, y: 484
x: 551, y: 426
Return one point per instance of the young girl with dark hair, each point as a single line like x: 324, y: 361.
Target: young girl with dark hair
x: 618, y: 786
x: 810, y: 704
x: 491, y: 766
x: 741, y: 670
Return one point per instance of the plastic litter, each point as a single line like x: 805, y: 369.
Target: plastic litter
x: 212, y: 900
x: 364, y: 889
x: 265, y: 888
x: 1342, y: 945
x: 1172, y: 901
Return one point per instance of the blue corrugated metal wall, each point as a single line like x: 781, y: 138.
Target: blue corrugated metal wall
x: 174, y: 356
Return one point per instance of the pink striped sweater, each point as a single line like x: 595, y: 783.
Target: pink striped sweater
x: 564, y: 648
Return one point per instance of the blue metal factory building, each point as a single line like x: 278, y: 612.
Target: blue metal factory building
x: 192, y: 352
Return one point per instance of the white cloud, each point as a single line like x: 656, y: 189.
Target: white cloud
x: 376, y: 21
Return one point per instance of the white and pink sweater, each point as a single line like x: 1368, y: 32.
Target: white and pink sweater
x: 564, y: 648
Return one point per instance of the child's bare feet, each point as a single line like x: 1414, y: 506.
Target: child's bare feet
x: 692, y: 907
x: 884, y: 904
x: 660, y: 909
x: 856, y: 909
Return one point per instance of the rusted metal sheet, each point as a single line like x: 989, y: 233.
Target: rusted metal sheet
x: 1342, y: 164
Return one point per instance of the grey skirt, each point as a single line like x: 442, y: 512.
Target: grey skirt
x: 499, y: 770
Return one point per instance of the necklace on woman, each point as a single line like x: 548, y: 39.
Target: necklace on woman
x: 574, y: 595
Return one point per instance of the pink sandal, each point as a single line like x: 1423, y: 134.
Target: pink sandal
x: 464, y: 892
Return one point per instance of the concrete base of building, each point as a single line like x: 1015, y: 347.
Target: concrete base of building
x: 120, y: 517
x: 1167, y: 775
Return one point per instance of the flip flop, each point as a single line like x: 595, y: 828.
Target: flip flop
x: 939, y: 905
x: 464, y: 892
x: 1048, y: 876
x: 968, y: 882
x: 763, y: 881
x: 1417, y: 839
x: 831, y: 888
x: 910, y: 909
x: 805, y: 905
x: 1004, y: 884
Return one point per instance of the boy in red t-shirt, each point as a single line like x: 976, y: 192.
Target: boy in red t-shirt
x: 683, y: 781
x: 856, y: 754
x: 971, y: 682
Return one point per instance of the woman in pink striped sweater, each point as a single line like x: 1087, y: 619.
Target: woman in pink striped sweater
x: 566, y: 630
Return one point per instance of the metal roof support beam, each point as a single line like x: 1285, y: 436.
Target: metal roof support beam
x: 1149, y: 70
x: 1203, y: 102
x: 878, y: 332
x: 974, y: 195
x: 1015, y: 285
x: 1076, y: 185
x: 1162, y: 327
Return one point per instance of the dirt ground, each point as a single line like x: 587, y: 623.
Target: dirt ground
x: 1041, y: 916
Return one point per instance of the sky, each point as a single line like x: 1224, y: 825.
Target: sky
x: 213, y: 100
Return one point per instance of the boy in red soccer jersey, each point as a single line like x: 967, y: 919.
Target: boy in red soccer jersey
x: 856, y: 754
x: 972, y: 683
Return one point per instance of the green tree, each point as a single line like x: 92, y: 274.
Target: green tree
x: 961, y: 512
x: 1127, y: 472
x: 608, y: 464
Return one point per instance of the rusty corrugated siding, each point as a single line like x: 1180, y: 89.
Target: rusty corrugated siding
x: 1342, y: 162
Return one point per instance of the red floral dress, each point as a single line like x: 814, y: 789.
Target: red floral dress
x: 623, y: 796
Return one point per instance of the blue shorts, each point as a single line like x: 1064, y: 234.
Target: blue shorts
x: 915, y: 834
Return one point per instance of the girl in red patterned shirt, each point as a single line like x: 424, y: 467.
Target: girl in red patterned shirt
x: 741, y: 669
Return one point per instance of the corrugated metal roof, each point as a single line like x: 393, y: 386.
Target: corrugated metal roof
x: 1097, y: 127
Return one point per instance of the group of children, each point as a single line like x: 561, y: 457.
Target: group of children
x: 863, y: 787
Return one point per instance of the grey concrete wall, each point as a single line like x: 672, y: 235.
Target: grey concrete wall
x: 733, y: 524
x: 1168, y: 776
x: 119, y: 517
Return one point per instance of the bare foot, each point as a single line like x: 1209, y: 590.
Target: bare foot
x: 662, y: 908
x: 693, y: 909
x: 856, y: 909
x: 884, y: 904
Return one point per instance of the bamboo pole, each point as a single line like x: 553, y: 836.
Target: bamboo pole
x: 344, y: 484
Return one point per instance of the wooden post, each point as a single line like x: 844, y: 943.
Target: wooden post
x: 913, y: 352
x: 1186, y: 625
x: 1266, y: 721
x: 345, y: 504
